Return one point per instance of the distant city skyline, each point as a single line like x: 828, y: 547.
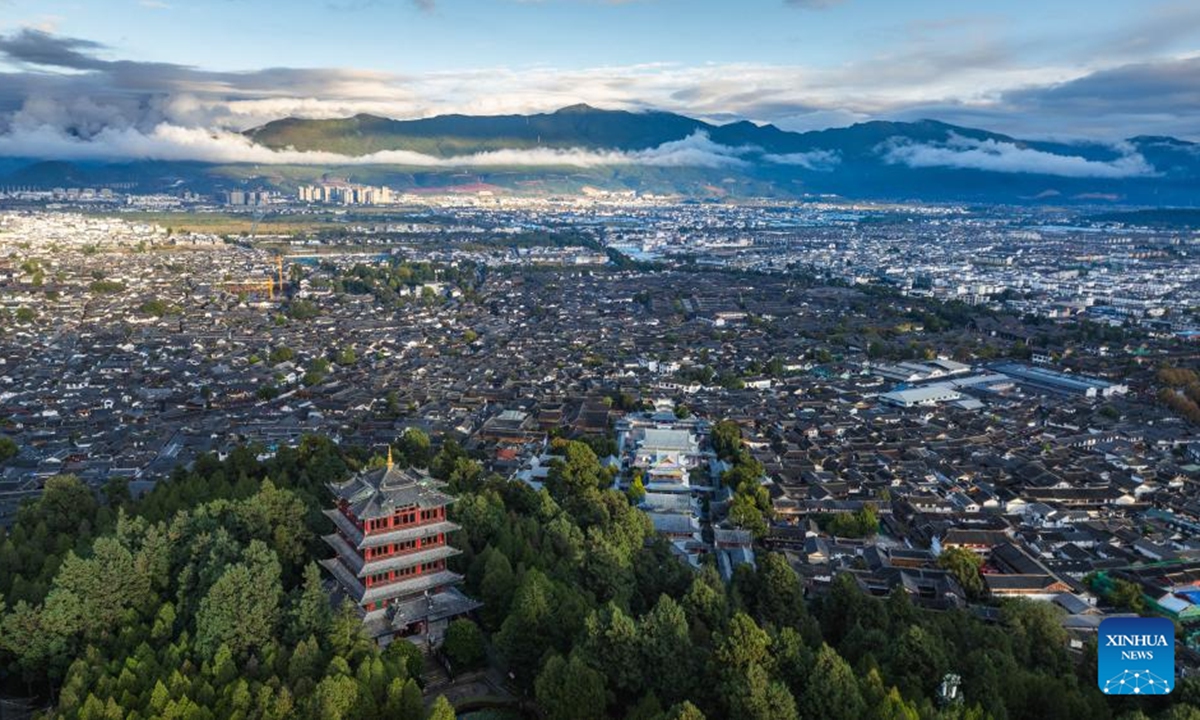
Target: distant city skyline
x: 135, y: 74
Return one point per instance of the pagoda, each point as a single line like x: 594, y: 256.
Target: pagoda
x: 391, y: 551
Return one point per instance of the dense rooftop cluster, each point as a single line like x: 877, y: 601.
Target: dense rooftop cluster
x: 741, y: 395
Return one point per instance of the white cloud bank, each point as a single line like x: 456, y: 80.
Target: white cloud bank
x: 177, y: 143
x: 994, y: 156
x: 822, y: 160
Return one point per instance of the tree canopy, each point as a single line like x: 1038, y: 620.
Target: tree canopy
x: 201, y: 600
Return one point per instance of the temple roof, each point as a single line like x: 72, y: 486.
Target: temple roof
x: 664, y: 440
x: 433, y: 607
x: 412, y: 532
x: 380, y: 492
x: 350, y: 557
x: 408, y: 587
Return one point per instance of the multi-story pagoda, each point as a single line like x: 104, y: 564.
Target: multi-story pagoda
x: 391, y: 545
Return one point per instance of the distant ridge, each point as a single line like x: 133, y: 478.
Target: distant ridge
x: 663, y: 152
x: 921, y: 160
x: 584, y: 126
x: 576, y: 126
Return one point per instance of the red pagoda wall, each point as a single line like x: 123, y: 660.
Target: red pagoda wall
x: 404, y: 518
x: 403, y: 548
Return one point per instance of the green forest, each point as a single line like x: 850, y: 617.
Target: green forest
x: 202, y: 599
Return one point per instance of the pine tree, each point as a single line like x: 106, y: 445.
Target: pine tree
x: 412, y: 704
x: 242, y: 607
x: 570, y: 690
x: 832, y: 690
x: 441, y: 709
x: 312, y: 613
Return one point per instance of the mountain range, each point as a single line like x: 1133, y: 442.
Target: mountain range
x: 581, y: 146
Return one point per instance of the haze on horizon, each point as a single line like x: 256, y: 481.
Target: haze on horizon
x: 165, y: 79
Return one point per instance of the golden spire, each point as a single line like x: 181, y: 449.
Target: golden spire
x: 390, y: 463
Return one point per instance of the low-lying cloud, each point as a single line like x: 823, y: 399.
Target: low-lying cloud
x: 822, y: 160
x: 76, y: 85
x: 1005, y: 157
x: 166, y: 142
x: 69, y: 97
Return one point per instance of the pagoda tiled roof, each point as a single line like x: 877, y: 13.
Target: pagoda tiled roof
x: 380, y: 492
x: 412, y: 532
x: 354, y: 562
x: 414, y: 585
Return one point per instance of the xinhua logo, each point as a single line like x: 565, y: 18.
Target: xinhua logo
x: 1136, y: 656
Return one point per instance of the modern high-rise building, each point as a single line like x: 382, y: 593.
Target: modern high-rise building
x: 391, y: 547
x: 343, y: 193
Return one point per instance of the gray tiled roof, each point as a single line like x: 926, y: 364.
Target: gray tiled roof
x: 380, y: 492
x: 362, y: 569
x: 411, y: 586
x: 360, y: 540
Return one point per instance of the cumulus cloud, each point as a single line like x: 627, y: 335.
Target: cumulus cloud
x: 74, y: 90
x: 1006, y: 157
x: 823, y: 160
x: 175, y: 143
x: 1151, y: 96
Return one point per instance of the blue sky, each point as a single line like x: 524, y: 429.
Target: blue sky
x: 400, y: 36
x: 1053, y: 68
